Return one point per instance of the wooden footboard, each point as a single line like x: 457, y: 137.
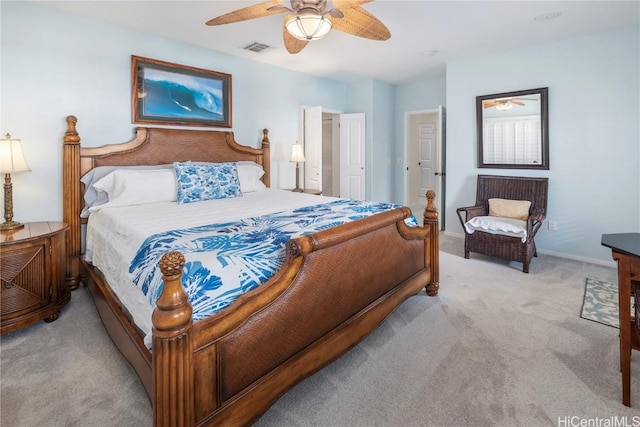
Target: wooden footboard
x: 335, y: 288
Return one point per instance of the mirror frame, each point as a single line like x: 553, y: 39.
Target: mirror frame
x: 544, y: 128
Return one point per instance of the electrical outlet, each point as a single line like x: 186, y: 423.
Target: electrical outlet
x: 553, y: 225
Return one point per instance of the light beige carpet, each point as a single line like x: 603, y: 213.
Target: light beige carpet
x: 496, y: 347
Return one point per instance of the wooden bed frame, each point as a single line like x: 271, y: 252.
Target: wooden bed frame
x: 335, y: 288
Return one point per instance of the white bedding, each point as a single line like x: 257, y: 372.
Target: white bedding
x: 115, y: 234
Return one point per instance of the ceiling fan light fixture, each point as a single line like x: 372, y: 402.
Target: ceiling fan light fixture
x: 309, y: 26
x: 504, y: 106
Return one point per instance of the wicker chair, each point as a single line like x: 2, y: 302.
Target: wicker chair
x: 502, y: 246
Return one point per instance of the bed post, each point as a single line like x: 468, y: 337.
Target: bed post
x: 431, y: 221
x: 266, y: 156
x: 173, y: 379
x: 71, y: 201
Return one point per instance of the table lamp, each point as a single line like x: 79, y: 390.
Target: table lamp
x: 297, y: 156
x: 11, y: 161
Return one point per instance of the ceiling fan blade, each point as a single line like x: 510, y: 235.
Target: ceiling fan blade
x: 489, y: 104
x: 361, y: 23
x: 292, y: 44
x: 515, y: 101
x: 346, y: 4
x: 260, y: 10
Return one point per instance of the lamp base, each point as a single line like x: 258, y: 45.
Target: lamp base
x: 297, y: 190
x: 10, y: 225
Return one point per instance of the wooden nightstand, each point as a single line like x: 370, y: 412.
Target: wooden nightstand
x: 32, y: 274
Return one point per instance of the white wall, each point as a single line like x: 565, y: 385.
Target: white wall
x: 594, y: 110
x: 55, y: 64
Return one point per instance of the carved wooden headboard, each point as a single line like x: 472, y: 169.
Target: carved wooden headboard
x: 150, y: 146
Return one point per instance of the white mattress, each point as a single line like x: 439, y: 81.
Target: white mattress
x: 115, y: 234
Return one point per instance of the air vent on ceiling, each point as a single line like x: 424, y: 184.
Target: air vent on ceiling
x: 256, y: 47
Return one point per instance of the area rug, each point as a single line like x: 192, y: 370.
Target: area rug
x: 600, y: 303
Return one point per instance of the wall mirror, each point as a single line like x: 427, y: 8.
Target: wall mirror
x: 513, y: 130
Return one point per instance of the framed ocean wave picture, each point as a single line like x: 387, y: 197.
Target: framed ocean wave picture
x: 174, y: 94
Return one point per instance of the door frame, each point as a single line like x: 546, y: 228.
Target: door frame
x: 440, y: 193
x: 335, y: 139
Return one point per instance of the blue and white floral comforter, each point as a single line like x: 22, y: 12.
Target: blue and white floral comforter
x: 225, y: 260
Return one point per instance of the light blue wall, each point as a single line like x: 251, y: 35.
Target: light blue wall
x: 360, y: 100
x: 376, y: 100
x: 416, y: 96
x: 594, y: 97
x: 382, y: 141
x: 74, y: 65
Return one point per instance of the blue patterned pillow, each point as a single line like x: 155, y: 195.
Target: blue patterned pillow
x: 198, y: 182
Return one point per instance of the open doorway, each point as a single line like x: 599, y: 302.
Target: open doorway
x: 334, y: 149
x: 425, y: 135
x: 330, y: 154
x: 320, y: 137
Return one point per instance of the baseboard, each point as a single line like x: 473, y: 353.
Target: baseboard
x: 596, y: 261
x: 452, y: 234
x: 611, y: 264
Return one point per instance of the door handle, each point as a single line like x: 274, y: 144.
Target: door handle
x: 439, y: 173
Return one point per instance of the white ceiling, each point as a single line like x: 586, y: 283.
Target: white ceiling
x: 456, y: 29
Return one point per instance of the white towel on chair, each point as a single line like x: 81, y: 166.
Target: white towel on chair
x: 498, y: 225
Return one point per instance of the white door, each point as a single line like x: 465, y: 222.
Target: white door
x: 352, y: 156
x: 425, y: 133
x: 313, y: 148
x: 422, y: 163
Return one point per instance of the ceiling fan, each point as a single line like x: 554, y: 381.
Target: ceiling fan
x: 307, y: 20
x: 505, y: 103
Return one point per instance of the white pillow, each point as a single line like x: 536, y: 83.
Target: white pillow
x: 137, y: 187
x: 495, y: 225
x: 94, y: 197
x: 249, y: 174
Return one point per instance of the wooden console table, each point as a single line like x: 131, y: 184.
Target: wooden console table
x: 625, y: 248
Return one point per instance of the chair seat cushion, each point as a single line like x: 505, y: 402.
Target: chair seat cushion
x: 496, y: 225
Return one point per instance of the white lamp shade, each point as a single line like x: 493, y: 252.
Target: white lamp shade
x: 309, y: 26
x: 11, y: 157
x: 297, y: 153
